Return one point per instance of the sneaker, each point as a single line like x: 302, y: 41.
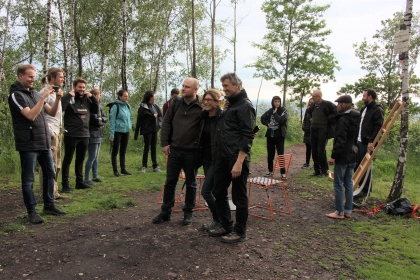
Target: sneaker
x: 218, y: 232
x: 125, y: 172
x: 98, y: 180
x: 306, y: 165
x: 89, y: 182
x: 187, y: 219
x: 54, y: 211
x: 143, y: 169
x: 283, y: 177
x: 212, y: 225
x: 233, y: 237
x: 268, y: 174
x: 66, y: 190
x: 116, y: 174
x: 82, y: 186
x: 323, y: 175
x: 316, y: 173
x: 162, y: 217
x: 157, y: 169
x: 35, y: 218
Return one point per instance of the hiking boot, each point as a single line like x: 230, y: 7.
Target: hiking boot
x: 125, y: 172
x: 187, y: 219
x: 306, y: 165
x: 66, y: 190
x: 218, y: 232
x: 35, y: 218
x: 233, y: 237
x: 268, y: 174
x: 157, y: 169
x: 82, y: 186
x: 116, y: 174
x: 98, y: 180
x: 143, y: 169
x: 323, y: 175
x: 54, y: 211
x: 89, y: 182
x: 162, y: 217
x: 283, y: 177
x: 212, y: 225
x: 316, y: 173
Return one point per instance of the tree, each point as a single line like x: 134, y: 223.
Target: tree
x: 47, y: 37
x: 296, y: 32
x: 383, y: 66
x: 3, y: 49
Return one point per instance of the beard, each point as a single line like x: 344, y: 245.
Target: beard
x: 78, y: 94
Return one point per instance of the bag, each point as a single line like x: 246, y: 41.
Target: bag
x: 110, y: 106
x: 400, y: 206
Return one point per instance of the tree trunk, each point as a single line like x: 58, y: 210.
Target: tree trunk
x: 73, y: 12
x: 65, y: 53
x: 3, y: 51
x: 193, y: 70
x: 234, y: 37
x: 47, y: 37
x: 213, y: 26
x: 124, y: 49
x: 398, y: 184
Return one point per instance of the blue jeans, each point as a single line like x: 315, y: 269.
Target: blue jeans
x: 207, y: 189
x: 180, y: 159
x: 343, y: 174
x: 92, y: 161
x: 28, y: 162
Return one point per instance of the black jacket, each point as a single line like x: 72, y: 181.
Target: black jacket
x: 146, y: 121
x: 29, y: 135
x: 96, y: 126
x: 280, y: 117
x: 77, y: 115
x: 306, y: 127
x: 237, y: 125
x: 372, y: 122
x: 345, y: 139
x: 215, y: 129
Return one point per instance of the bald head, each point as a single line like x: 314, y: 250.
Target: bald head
x: 190, y: 89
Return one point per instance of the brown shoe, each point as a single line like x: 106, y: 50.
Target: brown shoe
x: 334, y: 216
x: 347, y: 215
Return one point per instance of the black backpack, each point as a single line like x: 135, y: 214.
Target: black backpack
x: 110, y: 106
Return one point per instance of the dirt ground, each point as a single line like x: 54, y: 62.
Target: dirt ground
x: 124, y: 244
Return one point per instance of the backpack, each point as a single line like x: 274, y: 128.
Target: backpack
x: 110, y: 106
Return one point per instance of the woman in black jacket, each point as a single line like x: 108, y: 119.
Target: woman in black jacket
x: 96, y: 130
x: 149, y: 121
x: 306, y: 127
x: 276, y: 121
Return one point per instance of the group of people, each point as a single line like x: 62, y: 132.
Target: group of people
x: 353, y: 134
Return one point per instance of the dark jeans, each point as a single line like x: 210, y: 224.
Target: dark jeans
x: 120, y: 143
x: 71, y: 144
x: 207, y: 189
x: 319, y: 140
x: 274, y: 144
x: 360, y: 155
x: 28, y: 162
x: 222, y: 180
x: 308, y: 152
x: 150, y: 141
x: 92, y: 161
x: 180, y: 159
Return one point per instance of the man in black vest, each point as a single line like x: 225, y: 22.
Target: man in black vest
x: 32, y: 139
x: 77, y: 106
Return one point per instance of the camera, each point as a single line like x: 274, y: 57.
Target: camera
x: 256, y: 129
x: 56, y: 88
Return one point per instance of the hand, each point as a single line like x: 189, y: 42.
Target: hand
x: 156, y: 115
x: 237, y: 169
x: 275, y: 110
x: 59, y: 94
x: 111, y: 140
x: 47, y: 92
x: 331, y: 161
x: 88, y: 94
x: 166, y: 150
x: 370, y: 147
x: 71, y: 93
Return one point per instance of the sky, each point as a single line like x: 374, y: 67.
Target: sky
x: 349, y: 20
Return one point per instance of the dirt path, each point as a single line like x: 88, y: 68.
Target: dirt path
x: 124, y: 244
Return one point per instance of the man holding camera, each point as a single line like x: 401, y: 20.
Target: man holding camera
x: 77, y: 106
x: 32, y: 140
x: 54, y: 78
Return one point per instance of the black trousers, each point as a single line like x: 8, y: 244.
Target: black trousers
x: 274, y: 144
x: 308, y: 152
x: 72, y: 144
x: 319, y: 140
x: 120, y: 144
x: 150, y: 141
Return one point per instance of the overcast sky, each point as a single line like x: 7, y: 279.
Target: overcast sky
x: 350, y: 21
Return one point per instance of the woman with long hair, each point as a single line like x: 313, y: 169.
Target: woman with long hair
x: 149, y: 122
x: 121, y: 119
x: 96, y: 129
x: 276, y: 121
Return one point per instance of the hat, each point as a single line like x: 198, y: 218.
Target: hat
x: 344, y: 99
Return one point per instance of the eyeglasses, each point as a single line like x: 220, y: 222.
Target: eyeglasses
x: 208, y: 100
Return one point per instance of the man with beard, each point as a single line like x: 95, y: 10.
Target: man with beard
x: 372, y: 118
x: 77, y: 106
x: 32, y: 139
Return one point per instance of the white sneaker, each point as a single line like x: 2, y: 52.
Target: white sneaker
x: 143, y: 170
x: 157, y: 169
